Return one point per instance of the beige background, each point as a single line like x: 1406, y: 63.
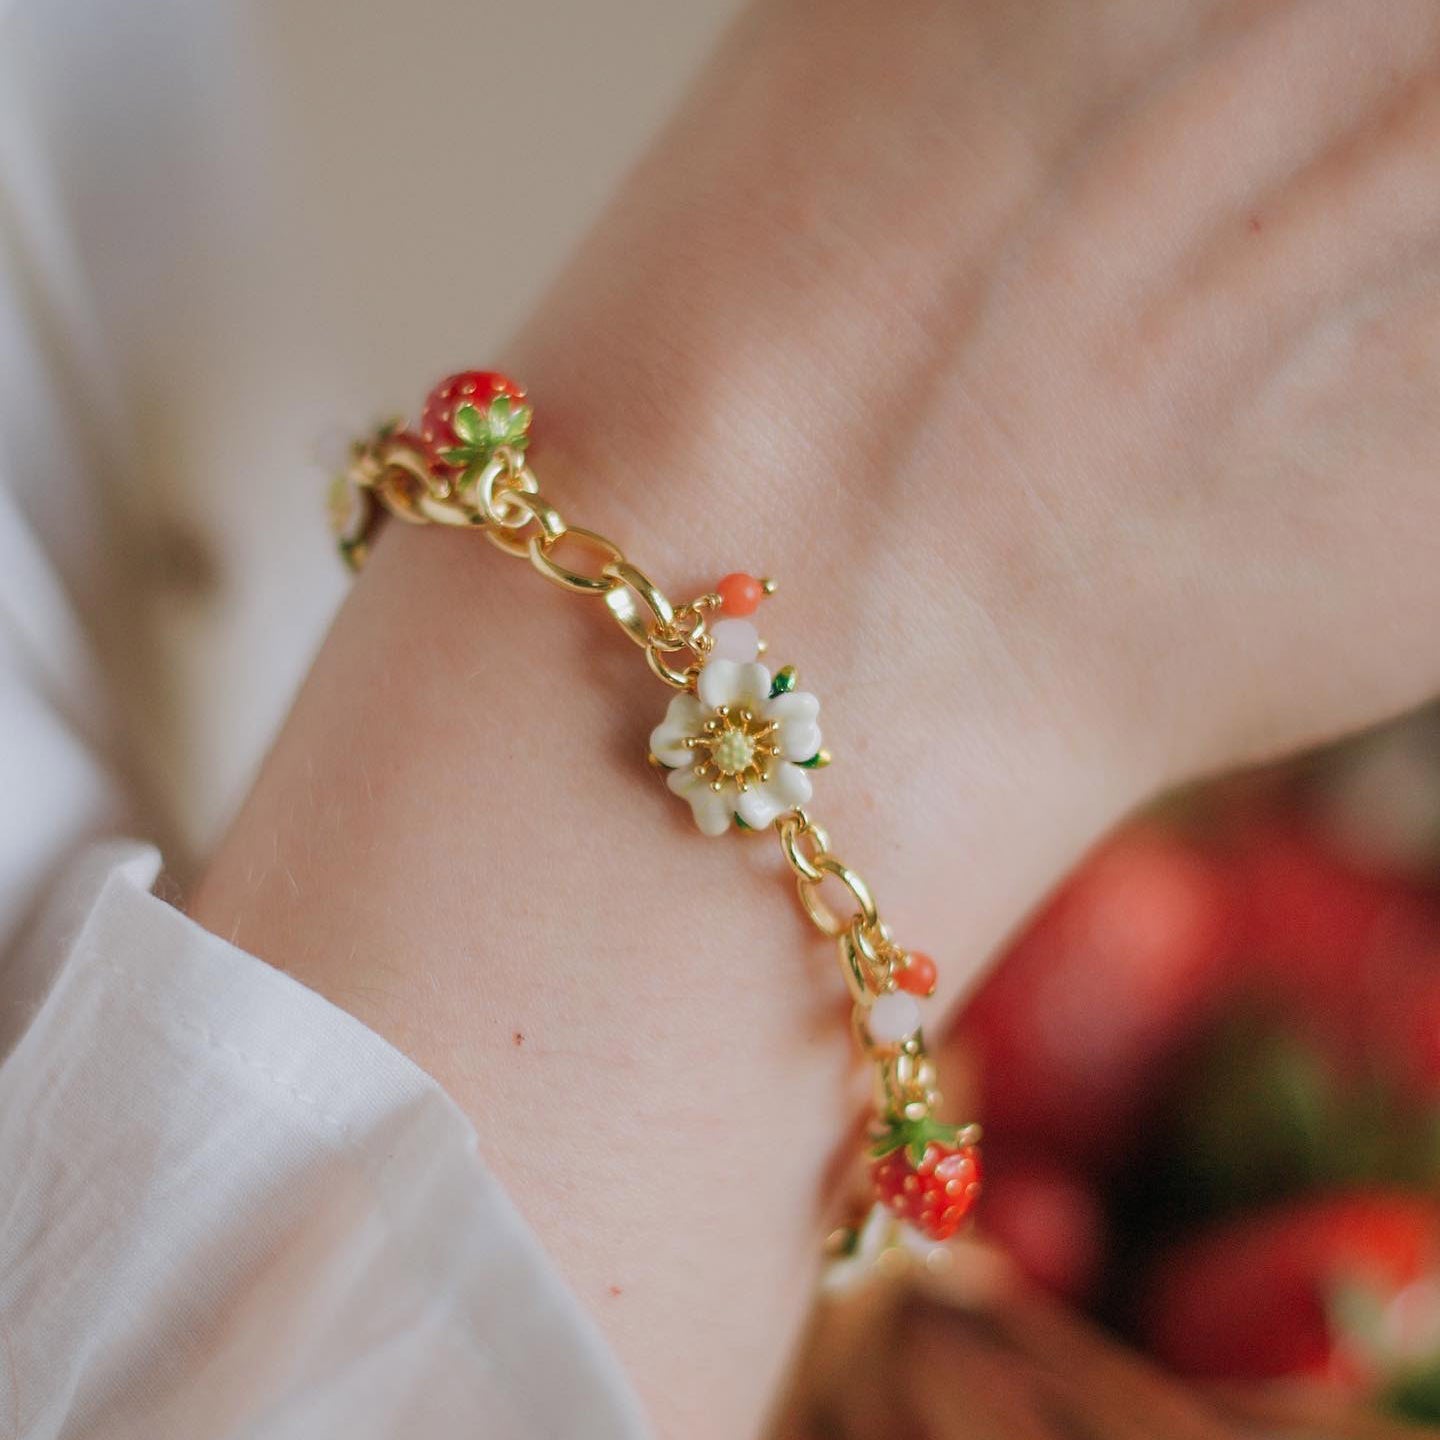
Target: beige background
x: 248, y: 229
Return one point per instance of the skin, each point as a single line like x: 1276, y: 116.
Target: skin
x: 1075, y: 367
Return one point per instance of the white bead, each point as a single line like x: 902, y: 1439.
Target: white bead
x: 893, y: 1017
x: 736, y: 640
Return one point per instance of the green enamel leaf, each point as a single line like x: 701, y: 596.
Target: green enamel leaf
x: 499, y: 416
x: 741, y: 825
x: 508, y: 421
x: 912, y: 1136
x: 818, y: 761
x: 888, y: 1144
x: 459, y: 456
x: 784, y: 682
x: 469, y: 425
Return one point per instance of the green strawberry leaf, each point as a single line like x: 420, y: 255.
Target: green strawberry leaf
x: 461, y: 456
x: 507, y: 421
x: 912, y: 1136
x: 469, y: 425
x: 784, y: 682
x: 887, y: 1144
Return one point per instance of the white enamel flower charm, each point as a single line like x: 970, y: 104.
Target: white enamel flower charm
x: 739, y: 747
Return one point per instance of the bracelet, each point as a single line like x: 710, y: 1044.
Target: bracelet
x: 736, y: 742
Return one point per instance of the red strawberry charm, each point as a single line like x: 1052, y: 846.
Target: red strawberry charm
x: 926, y: 1174
x: 468, y: 416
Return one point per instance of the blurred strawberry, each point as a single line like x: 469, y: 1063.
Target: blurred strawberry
x: 1340, y: 1289
x: 1074, y: 1028
x: 1407, y: 1030
x: 1420, y: 1021
x: 1343, y: 948
x: 1049, y: 1221
x: 1311, y: 917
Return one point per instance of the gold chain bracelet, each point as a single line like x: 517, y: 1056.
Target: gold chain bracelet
x: 736, y: 741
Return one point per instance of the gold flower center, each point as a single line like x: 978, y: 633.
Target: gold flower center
x: 734, y: 745
x: 733, y: 752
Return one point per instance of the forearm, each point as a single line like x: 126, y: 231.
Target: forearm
x: 458, y: 839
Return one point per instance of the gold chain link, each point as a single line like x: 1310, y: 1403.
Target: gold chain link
x: 505, y: 500
x: 868, y: 952
x: 792, y: 829
x: 576, y: 581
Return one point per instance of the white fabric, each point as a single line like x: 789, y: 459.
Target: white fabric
x: 232, y: 1210
x: 230, y: 230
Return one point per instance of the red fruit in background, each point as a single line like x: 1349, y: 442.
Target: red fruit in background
x: 1072, y: 1030
x: 1305, y: 910
x: 1337, y: 944
x: 1325, y: 1289
x: 1419, y: 1023
x: 1050, y: 1222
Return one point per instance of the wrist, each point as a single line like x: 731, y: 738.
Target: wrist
x: 950, y: 709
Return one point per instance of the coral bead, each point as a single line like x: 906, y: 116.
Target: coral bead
x: 740, y: 594
x: 917, y: 975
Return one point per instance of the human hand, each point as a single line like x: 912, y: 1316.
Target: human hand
x: 1104, y: 339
